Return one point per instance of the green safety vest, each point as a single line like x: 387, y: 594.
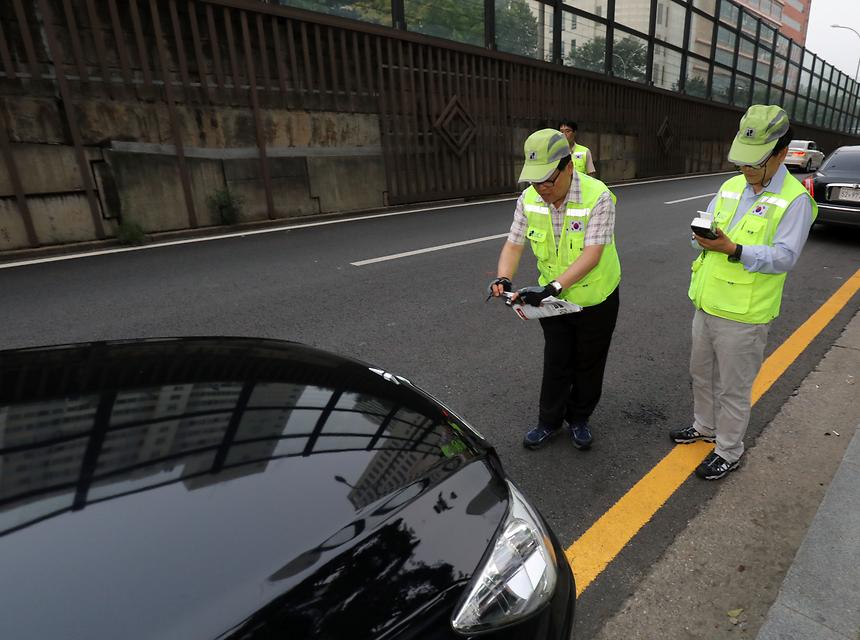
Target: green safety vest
x: 726, y: 289
x: 554, y: 259
x: 579, y: 158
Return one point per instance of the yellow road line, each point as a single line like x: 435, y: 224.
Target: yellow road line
x: 789, y: 350
x: 597, y: 547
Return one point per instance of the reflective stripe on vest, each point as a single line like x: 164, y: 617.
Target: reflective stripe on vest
x: 726, y: 289
x: 579, y: 158
x: 554, y: 259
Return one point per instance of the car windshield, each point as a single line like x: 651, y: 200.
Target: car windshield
x: 798, y: 144
x: 847, y: 160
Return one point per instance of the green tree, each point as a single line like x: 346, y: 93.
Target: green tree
x: 629, y: 55
x: 516, y: 28
x: 378, y: 11
x: 589, y: 56
x: 449, y: 19
x: 694, y: 86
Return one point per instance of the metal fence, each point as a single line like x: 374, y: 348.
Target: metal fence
x: 713, y: 49
x: 451, y: 115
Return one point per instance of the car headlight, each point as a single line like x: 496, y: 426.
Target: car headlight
x: 517, y: 578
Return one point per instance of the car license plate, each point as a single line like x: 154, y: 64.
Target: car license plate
x: 849, y: 193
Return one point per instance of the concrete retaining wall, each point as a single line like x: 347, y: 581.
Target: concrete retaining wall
x: 319, y: 162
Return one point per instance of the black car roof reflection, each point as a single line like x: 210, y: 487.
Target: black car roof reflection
x: 87, y: 423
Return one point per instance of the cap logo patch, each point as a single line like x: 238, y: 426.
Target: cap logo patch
x: 760, y: 210
x: 532, y: 155
x: 749, y: 132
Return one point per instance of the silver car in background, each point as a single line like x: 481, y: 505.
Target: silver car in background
x: 804, y: 155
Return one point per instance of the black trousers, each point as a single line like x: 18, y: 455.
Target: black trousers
x: 574, y: 357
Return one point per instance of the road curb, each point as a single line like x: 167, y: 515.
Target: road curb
x: 818, y: 598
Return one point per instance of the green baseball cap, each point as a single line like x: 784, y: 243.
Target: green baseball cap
x: 760, y: 128
x: 543, y: 149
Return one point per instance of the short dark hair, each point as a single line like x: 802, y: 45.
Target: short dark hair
x: 569, y: 123
x: 784, y: 140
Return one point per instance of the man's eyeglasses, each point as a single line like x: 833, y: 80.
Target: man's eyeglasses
x: 549, y: 182
x: 756, y: 167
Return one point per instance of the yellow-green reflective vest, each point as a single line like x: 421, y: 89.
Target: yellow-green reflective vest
x: 579, y: 158
x: 554, y: 259
x: 727, y: 290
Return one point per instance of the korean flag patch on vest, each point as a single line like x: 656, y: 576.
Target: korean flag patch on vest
x: 760, y: 210
x: 576, y: 225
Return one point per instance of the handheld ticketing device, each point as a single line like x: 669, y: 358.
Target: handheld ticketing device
x: 703, y: 225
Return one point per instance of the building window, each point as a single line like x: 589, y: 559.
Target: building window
x: 573, y: 21
x: 793, y: 24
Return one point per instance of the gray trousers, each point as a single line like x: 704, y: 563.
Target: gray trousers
x: 724, y: 362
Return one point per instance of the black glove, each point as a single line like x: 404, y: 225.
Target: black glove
x: 506, y: 286
x: 534, y: 295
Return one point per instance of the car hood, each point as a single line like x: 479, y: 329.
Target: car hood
x: 299, y: 491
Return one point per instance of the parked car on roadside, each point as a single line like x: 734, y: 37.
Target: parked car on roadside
x: 836, y: 187
x: 804, y: 155
x: 254, y: 489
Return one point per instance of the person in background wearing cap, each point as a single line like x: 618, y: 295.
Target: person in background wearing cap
x: 569, y: 220
x: 763, y: 217
x: 582, y: 158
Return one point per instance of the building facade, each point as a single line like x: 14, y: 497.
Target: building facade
x: 789, y: 17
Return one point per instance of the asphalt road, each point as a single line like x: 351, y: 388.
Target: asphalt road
x: 424, y: 317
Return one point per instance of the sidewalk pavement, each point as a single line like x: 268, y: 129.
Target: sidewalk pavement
x: 820, y: 597
x: 775, y: 553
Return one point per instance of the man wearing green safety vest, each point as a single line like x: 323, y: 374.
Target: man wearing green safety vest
x: 583, y: 160
x: 762, y: 219
x: 568, y: 219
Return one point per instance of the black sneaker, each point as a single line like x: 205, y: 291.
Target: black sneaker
x: 580, y: 435
x: 688, y: 435
x: 538, y: 436
x: 715, y: 467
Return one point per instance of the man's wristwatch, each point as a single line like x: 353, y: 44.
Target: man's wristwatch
x: 736, y: 256
x: 555, y: 284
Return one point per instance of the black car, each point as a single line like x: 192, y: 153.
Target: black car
x: 249, y: 489
x: 836, y: 187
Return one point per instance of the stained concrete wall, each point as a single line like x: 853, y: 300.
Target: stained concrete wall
x: 101, y: 121
x: 150, y: 192
x: 320, y: 162
x: 289, y: 187
x: 46, y: 168
x: 56, y: 198
x: 615, y: 156
x: 58, y: 219
x: 614, y: 153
